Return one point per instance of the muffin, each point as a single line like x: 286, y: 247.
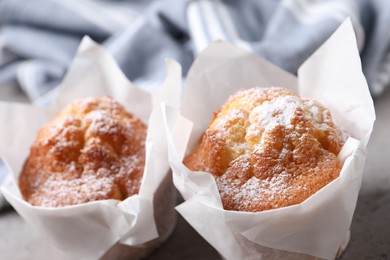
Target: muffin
x: 269, y: 148
x: 92, y: 150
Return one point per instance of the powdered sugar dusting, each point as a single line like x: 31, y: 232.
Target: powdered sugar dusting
x: 269, y: 148
x: 92, y: 150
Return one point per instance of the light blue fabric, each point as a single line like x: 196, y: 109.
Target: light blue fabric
x: 45, y: 34
x: 39, y: 38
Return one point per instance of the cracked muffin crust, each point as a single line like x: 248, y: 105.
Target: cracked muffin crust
x: 92, y: 150
x: 268, y: 148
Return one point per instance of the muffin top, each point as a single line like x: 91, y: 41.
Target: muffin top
x: 92, y: 150
x: 268, y: 148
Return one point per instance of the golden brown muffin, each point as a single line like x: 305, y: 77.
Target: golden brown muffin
x: 268, y: 148
x: 92, y: 150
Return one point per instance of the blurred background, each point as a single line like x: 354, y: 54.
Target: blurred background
x: 39, y: 38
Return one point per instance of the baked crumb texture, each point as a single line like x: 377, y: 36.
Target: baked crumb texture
x: 268, y: 148
x: 92, y: 150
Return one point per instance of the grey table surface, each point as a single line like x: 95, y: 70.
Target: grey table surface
x: 370, y: 230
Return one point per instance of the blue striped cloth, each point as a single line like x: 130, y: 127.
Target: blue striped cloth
x: 39, y: 38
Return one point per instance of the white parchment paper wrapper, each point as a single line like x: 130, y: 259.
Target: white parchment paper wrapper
x: 316, y: 227
x: 88, y: 230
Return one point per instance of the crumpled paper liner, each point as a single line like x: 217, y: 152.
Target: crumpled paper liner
x: 88, y: 230
x: 314, y: 228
